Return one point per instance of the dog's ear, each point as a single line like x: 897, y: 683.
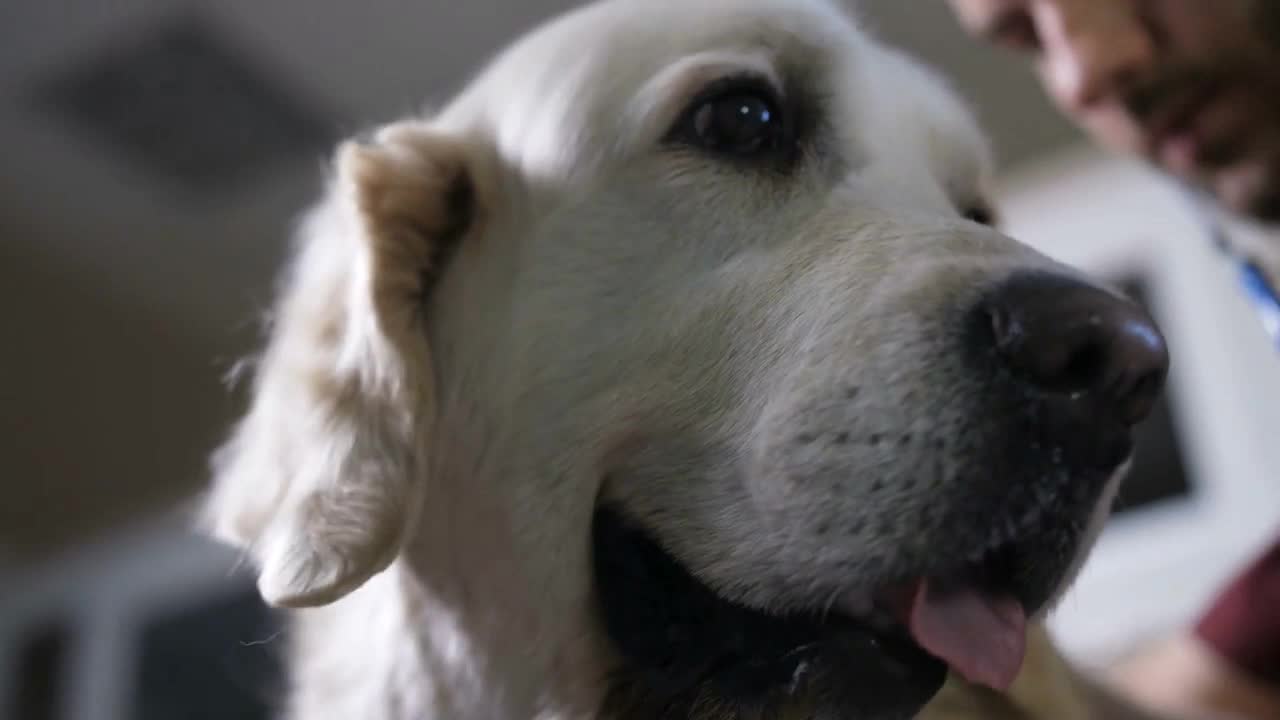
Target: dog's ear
x: 318, y: 481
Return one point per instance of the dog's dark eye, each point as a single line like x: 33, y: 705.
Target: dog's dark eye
x: 980, y: 214
x: 740, y: 120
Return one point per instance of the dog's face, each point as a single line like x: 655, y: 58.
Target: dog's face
x: 712, y: 284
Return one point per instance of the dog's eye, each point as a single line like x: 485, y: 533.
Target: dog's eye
x: 740, y: 120
x: 980, y: 214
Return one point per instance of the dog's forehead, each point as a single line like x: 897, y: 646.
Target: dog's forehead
x: 555, y: 100
x: 620, y: 43
x: 567, y: 76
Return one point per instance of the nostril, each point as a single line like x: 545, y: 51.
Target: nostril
x: 1061, y: 335
x: 1141, y: 367
x: 1086, y: 365
x: 1136, y: 399
x: 1056, y: 359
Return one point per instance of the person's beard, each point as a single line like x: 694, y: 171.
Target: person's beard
x: 1266, y: 17
x: 1258, y: 68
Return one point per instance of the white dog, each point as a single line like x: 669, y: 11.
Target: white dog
x: 665, y: 372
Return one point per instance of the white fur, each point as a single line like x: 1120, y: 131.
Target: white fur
x: 426, y: 443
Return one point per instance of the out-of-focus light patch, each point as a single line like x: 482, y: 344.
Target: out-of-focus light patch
x: 180, y: 101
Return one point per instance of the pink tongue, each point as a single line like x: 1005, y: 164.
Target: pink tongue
x: 982, y: 637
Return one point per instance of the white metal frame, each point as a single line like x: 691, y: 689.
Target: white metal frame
x: 106, y: 592
x: 1155, y: 570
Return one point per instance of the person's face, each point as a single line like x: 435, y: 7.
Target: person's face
x: 1193, y: 85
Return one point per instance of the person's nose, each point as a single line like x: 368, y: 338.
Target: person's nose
x: 1092, y: 49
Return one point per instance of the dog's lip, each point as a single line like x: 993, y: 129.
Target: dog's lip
x: 875, y: 611
x: 884, y: 631
x: 676, y: 634
x: 996, y: 639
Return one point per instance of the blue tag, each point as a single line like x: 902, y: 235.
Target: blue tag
x: 1260, y: 291
x: 1264, y: 297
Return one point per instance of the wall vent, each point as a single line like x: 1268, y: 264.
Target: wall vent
x: 181, y: 102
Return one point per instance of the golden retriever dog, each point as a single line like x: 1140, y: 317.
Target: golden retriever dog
x: 669, y: 371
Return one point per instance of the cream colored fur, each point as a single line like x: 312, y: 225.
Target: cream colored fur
x: 497, y: 307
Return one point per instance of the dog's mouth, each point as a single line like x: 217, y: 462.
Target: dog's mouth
x: 973, y: 619
x: 688, y: 652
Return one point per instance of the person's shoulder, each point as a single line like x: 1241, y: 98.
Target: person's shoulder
x: 1242, y: 625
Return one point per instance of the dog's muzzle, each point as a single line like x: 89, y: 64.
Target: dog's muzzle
x: 1056, y: 373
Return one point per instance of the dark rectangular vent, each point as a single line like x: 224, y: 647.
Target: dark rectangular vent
x: 179, y: 101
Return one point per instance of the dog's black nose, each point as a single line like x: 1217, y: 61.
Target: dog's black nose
x: 1065, y: 336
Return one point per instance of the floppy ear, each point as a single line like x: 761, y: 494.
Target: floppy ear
x: 318, y: 481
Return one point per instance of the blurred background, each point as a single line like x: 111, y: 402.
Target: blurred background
x: 156, y: 154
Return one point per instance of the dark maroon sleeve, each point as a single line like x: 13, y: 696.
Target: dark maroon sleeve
x: 1243, y: 624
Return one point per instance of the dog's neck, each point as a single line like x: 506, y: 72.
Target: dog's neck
x: 487, y: 614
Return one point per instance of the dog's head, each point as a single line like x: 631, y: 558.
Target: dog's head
x: 699, y: 294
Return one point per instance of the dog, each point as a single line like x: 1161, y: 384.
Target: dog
x: 673, y: 369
